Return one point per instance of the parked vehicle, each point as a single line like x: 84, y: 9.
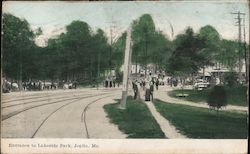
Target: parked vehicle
x: 201, y: 84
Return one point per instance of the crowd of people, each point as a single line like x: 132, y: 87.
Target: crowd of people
x: 146, y: 85
x: 111, y: 82
x: 8, y: 86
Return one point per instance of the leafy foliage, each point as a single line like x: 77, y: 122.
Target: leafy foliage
x: 185, y: 58
x: 149, y: 45
x: 81, y: 54
x: 217, y: 97
x: 236, y: 95
x: 118, y: 51
x: 231, y: 79
x: 210, y: 44
x: 74, y: 55
x: 228, y: 54
x: 18, y: 45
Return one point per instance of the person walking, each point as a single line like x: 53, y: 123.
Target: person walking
x: 106, y: 83
x: 110, y: 83
x: 135, y: 88
x: 151, y: 90
x: 138, y: 87
x: 147, y: 92
x: 143, y: 84
x: 157, y: 83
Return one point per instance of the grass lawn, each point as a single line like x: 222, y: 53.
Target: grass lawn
x: 136, y: 120
x: 197, y: 122
x: 235, y: 95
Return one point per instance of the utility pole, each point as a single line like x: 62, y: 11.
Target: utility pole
x: 246, y: 63
x: 246, y: 53
x: 239, y: 24
x: 112, y: 29
x: 126, y: 69
x: 247, y: 72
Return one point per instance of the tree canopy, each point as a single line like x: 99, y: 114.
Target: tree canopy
x: 83, y: 54
x: 185, y: 58
x: 149, y: 45
x: 18, y: 46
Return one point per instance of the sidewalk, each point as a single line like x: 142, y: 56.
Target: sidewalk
x: 99, y: 124
x: 168, y: 129
x: 162, y: 94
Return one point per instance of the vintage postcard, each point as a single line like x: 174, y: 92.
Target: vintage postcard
x: 125, y: 77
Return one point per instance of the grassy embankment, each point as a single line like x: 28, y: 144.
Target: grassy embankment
x: 235, y: 95
x: 136, y: 120
x: 197, y: 122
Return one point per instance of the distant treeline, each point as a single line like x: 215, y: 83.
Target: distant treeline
x: 80, y: 53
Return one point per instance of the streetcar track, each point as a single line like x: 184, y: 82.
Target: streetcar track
x: 61, y: 108
x: 22, y: 98
x: 51, y: 115
x: 13, y: 105
x: 4, y: 117
x: 48, y: 93
x: 83, y: 115
x: 32, y: 102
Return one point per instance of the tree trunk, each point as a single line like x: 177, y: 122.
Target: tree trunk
x: 20, y: 86
x: 192, y: 78
x: 203, y: 72
x: 98, y: 71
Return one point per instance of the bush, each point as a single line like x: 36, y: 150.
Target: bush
x: 217, y: 97
x: 231, y: 79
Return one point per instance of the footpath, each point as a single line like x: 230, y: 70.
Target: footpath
x: 168, y: 129
x: 162, y: 94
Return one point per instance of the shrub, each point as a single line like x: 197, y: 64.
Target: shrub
x: 231, y: 79
x: 217, y: 97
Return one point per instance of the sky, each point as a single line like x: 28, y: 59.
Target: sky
x: 53, y: 16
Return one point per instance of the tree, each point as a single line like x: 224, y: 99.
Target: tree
x: 231, y: 79
x: 161, y: 52
x: 49, y: 61
x: 74, y: 55
x: 227, y: 55
x: 217, y: 97
x: 100, y: 50
x: 118, y: 52
x: 185, y: 59
x: 209, y: 40
x: 143, y: 32
x: 18, y: 44
x: 76, y: 50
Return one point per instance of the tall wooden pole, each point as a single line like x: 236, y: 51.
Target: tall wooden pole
x: 239, y: 24
x: 126, y: 69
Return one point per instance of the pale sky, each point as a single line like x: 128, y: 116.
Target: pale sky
x: 52, y: 17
